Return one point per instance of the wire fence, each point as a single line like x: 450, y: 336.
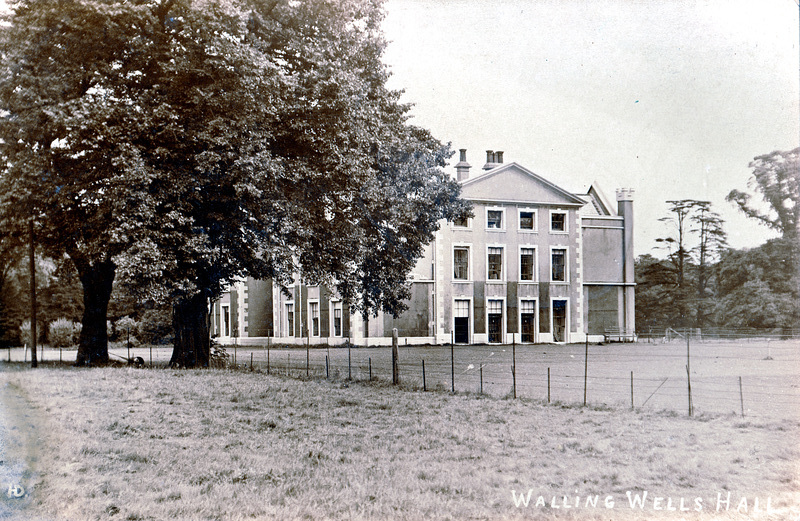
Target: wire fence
x: 747, y: 377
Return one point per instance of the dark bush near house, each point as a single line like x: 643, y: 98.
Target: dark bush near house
x: 155, y: 327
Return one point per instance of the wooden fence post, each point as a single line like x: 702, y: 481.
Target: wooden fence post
x: 514, y: 365
x: 395, y: 362
x: 452, y: 366
x: 548, y: 385
x: 424, y: 384
x: 585, y: 369
x: 631, y: 390
x: 741, y: 396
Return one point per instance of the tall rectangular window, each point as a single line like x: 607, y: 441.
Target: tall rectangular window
x: 494, y: 315
x: 527, y: 315
x: 558, y: 221
x: 337, y: 319
x: 559, y: 265
x: 494, y: 263
x: 314, y: 308
x: 290, y: 319
x: 461, y: 321
x: 226, y: 321
x: 527, y: 264
x: 461, y: 263
x: 527, y: 220
x: 494, y: 219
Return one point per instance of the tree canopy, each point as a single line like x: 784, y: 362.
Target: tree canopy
x: 776, y: 177
x: 183, y: 144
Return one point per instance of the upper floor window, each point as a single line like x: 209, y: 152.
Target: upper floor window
x: 527, y: 220
x: 314, y: 312
x: 558, y: 221
x: 527, y: 264
x: 461, y: 223
x: 461, y: 263
x: 494, y: 263
x: 494, y: 219
x: 559, y: 265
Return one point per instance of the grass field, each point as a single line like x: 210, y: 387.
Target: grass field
x: 162, y: 444
x: 769, y: 371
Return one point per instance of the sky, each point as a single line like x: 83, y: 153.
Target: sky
x: 671, y: 98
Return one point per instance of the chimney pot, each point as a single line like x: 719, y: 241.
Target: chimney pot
x: 463, y: 156
x: 499, y: 156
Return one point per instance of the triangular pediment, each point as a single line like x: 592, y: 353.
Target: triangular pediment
x: 513, y: 183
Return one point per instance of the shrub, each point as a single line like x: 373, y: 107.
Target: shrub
x: 61, y: 333
x: 123, y: 327
x: 155, y: 327
x: 25, y: 333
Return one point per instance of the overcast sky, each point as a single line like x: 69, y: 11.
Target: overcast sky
x: 670, y: 98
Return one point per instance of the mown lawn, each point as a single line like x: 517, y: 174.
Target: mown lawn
x: 162, y: 444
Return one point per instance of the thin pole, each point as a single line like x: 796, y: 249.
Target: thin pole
x: 481, y: 379
x: 251, y: 360
x: 395, y: 356
x: 689, y: 382
x: 548, y: 385
x: 327, y: 368
x: 452, y: 366
x: 33, y: 296
x: 370, y: 369
x: 349, y: 364
x: 267, y: 356
x: 307, y: 359
x: 585, y: 370
x: 631, y: 390
x: 741, y: 397
x: 514, y: 364
x: 424, y: 383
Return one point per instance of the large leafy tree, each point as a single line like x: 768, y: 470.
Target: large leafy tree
x: 776, y: 178
x: 758, y: 287
x: 183, y: 144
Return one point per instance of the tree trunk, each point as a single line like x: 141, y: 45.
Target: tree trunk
x: 191, y: 321
x: 97, y: 281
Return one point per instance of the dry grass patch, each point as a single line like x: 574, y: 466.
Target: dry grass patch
x: 161, y: 444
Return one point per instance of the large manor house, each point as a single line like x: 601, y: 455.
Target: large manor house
x: 536, y: 264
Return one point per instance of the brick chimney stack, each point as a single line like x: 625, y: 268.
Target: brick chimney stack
x: 493, y: 159
x: 462, y: 167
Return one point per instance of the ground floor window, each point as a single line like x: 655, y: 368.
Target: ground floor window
x: 461, y: 321
x: 226, y: 320
x: 527, y: 310
x: 494, y: 310
x: 337, y: 319
x: 290, y: 319
x: 314, y: 312
x: 559, y: 320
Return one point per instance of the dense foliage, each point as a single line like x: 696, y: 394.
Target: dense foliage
x: 183, y: 144
x: 703, y: 283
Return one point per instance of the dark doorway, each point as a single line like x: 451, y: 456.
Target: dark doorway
x: 495, y: 315
x: 559, y: 320
x: 528, y: 321
x: 461, y: 322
